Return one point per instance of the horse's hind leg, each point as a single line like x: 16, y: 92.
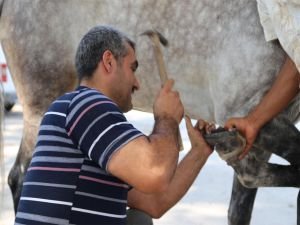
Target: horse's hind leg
x: 16, y: 175
x: 285, y: 144
x: 272, y: 175
x: 282, y: 138
x: 241, y: 203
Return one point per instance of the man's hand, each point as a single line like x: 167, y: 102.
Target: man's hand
x: 196, y: 135
x: 246, y: 128
x: 168, y: 103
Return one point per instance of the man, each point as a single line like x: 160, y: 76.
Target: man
x: 89, y: 163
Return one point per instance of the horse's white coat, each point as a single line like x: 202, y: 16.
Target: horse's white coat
x: 218, y: 56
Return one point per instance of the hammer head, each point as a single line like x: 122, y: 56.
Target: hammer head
x: 161, y: 38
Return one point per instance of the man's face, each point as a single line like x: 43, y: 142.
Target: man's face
x: 126, y: 82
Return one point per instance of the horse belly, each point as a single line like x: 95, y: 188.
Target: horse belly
x: 217, y: 53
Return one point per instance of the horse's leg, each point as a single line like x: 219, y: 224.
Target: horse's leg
x: 282, y: 138
x: 279, y: 137
x: 17, y: 173
x: 264, y: 174
x: 243, y: 197
x: 241, y: 203
x: 285, y: 144
x: 270, y: 175
x: 228, y: 145
x: 254, y: 171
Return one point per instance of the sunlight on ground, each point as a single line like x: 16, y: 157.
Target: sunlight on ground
x: 196, y: 213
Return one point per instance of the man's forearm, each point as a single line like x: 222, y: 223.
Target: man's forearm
x: 165, y: 138
x: 186, y: 173
x: 168, y: 128
x: 157, y: 204
x: 281, y: 93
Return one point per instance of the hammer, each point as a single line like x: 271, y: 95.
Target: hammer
x: 157, y: 39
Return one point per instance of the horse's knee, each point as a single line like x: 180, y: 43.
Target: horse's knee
x: 13, y: 178
x: 15, y: 181
x: 16, y: 176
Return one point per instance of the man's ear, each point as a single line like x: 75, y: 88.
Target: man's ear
x: 108, y: 61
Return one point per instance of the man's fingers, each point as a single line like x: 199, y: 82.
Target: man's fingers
x: 168, y: 85
x: 230, y: 127
x: 201, y: 124
x: 188, y: 123
x: 230, y: 124
x: 210, y: 127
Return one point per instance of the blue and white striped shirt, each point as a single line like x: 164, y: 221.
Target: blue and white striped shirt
x: 67, y: 181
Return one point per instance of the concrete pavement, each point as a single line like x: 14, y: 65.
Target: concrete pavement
x: 13, y: 125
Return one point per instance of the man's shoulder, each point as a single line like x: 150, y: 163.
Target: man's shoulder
x: 86, y: 94
x: 87, y: 104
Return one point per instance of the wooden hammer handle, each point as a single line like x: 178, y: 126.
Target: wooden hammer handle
x: 159, y: 59
x: 163, y: 73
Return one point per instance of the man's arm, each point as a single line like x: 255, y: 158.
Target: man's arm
x: 148, y: 163
x: 186, y: 172
x: 284, y: 89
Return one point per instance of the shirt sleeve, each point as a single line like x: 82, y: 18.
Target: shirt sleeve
x: 97, y: 126
x: 280, y: 20
x: 266, y: 21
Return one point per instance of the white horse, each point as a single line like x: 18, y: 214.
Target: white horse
x: 218, y: 57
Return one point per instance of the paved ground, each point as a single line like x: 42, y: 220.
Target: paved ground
x: 13, y: 126
x: 206, y: 202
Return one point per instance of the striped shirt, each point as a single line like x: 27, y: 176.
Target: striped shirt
x: 67, y: 181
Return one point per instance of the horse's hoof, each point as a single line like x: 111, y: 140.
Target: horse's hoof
x: 228, y: 144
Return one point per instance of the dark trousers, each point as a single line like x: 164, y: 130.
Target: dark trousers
x: 136, y: 217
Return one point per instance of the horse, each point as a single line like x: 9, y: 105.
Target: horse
x: 218, y: 57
